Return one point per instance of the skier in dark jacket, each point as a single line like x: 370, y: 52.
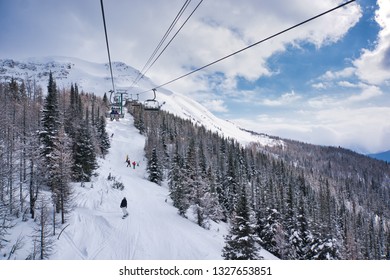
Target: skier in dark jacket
x: 124, y: 207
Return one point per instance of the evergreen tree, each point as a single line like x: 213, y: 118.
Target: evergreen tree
x: 242, y: 241
x: 325, y: 249
x: 211, y: 207
x: 49, y: 137
x: 229, y: 185
x: 103, y: 138
x: 300, y: 237
x: 105, y: 100
x: 272, y: 234
x: 177, y: 188
x: 84, y: 157
x: 155, y: 173
x: 50, y: 121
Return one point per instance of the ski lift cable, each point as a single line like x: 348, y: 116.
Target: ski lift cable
x: 172, y: 38
x: 252, y: 45
x: 179, y: 14
x: 108, y: 48
x: 183, y: 8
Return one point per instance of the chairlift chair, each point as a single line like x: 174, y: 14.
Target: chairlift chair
x: 152, y: 104
x: 135, y: 102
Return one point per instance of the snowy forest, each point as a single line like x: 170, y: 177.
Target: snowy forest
x: 46, y: 142
x: 296, y: 200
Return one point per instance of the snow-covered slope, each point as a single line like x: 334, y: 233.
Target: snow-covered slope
x: 95, y: 77
x: 153, y: 229
x: 95, y: 230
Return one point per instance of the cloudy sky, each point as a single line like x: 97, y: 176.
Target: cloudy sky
x: 326, y: 82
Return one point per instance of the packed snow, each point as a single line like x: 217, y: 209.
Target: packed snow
x: 95, y: 229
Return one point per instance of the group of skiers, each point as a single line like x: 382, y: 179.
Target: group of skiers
x: 129, y: 163
x: 114, y: 114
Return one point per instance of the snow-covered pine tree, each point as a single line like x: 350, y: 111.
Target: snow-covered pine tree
x: 49, y: 136
x: 105, y: 100
x: 50, y: 121
x: 177, y: 189
x: 272, y: 234
x: 73, y: 113
x: 242, y: 242
x: 230, y: 183
x: 212, y: 210
x: 84, y: 157
x: 153, y: 167
x: 103, y: 138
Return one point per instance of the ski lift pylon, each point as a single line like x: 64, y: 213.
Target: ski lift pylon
x: 116, y: 105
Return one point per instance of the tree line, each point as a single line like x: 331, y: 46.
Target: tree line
x: 46, y: 142
x: 296, y: 200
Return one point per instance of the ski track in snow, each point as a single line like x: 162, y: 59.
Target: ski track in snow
x: 153, y: 229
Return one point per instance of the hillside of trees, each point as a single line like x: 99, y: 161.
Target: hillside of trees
x: 46, y: 142
x: 298, y: 201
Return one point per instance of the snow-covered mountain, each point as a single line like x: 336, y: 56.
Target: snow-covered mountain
x: 91, y: 77
x: 95, y: 78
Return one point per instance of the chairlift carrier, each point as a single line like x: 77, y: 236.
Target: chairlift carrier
x: 116, y: 105
x: 152, y: 104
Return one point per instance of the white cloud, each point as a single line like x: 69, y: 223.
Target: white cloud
x: 362, y: 95
x: 362, y: 129
x: 347, y: 84
x: 283, y: 100
x: 374, y: 65
x: 320, y: 85
x: 335, y: 75
x: 368, y: 93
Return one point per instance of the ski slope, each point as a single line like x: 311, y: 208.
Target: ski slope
x: 153, y: 230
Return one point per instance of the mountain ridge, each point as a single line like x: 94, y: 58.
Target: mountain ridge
x: 94, y: 78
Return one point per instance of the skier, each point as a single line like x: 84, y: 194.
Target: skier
x: 128, y: 160
x: 124, y: 208
x: 134, y: 163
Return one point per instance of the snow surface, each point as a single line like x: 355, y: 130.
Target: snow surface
x: 153, y: 230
